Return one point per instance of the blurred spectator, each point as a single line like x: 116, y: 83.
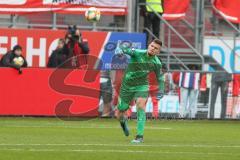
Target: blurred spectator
x: 235, y: 94
x: 175, y: 78
x: 106, y: 93
x: 14, y: 59
x: 189, y: 88
x: 58, y: 57
x: 219, y: 80
x: 76, y: 48
x: 151, y: 20
x: 205, y: 85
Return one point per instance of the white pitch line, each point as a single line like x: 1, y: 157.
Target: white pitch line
x: 127, y: 145
x: 120, y: 151
x: 84, y: 127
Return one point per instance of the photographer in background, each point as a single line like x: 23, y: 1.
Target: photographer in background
x: 14, y: 59
x: 58, y: 57
x: 75, y: 47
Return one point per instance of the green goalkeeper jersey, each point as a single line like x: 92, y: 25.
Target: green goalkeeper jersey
x: 139, y: 67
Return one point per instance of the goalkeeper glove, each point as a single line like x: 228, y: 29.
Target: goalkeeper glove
x: 119, y: 51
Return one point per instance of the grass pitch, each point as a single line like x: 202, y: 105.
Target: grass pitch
x: 55, y: 139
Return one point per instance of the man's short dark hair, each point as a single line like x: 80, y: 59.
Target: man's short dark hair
x: 17, y: 47
x: 158, y: 41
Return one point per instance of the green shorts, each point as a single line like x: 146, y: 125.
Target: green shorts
x: 129, y: 94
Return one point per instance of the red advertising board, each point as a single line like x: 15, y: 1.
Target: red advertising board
x: 38, y: 44
x: 49, y: 92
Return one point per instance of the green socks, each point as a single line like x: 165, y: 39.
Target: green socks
x: 141, y: 119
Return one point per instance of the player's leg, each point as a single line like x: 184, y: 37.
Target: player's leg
x: 224, y: 92
x: 234, y: 107
x: 141, y: 99
x: 235, y: 92
x: 122, y: 116
x: 106, y: 88
x: 193, y: 99
x: 214, y: 91
x: 123, y: 105
x: 155, y: 25
x: 147, y: 25
x: 183, y: 102
x: 141, y: 119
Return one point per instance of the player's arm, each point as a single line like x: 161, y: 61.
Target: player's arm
x: 6, y: 61
x: 128, y: 51
x: 131, y: 51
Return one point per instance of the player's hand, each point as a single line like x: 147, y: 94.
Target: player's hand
x: 160, y: 95
x: 125, y: 45
x: 119, y: 52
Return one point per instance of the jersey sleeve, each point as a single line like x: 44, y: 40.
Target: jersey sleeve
x: 128, y: 51
x: 132, y: 51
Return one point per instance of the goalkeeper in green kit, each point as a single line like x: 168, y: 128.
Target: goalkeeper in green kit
x: 135, y: 84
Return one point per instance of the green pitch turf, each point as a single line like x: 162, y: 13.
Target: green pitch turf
x: 54, y: 139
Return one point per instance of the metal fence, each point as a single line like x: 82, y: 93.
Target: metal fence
x: 58, y: 21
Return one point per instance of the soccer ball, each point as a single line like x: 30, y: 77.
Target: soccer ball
x: 92, y: 14
x: 18, y: 61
